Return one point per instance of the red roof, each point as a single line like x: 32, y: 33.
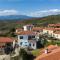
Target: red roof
x: 54, y: 54
x: 57, y: 28
x: 57, y: 32
x: 5, y: 40
x: 37, y: 28
x: 26, y: 33
x: 54, y: 24
x: 53, y: 29
x: 49, y: 29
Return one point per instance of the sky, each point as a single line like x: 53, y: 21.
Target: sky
x: 37, y: 8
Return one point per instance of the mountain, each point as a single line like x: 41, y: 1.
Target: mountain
x: 43, y: 20
x: 16, y: 17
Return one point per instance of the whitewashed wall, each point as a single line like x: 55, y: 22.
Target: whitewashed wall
x: 56, y: 36
x: 24, y: 40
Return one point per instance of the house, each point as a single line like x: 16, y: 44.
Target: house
x: 48, y: 31
x: 27, y: 39
x: 51, y: 31
x: 6, y: 41
x: 51, y: 53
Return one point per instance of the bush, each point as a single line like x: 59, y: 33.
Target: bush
x: 25, y: 55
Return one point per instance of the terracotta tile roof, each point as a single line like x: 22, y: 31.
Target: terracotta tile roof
x: 5, y: 39
x: 51, y: 24
x: 26, y: 33
x: 54, y: 29
x: 57, y: 28
x: 37, y: 28
x: 49, y: 29
x: 54, y: 24
x: 54, y: 54
x: 57, y: 32
x: 50, y: 47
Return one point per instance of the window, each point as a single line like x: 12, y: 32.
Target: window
x: 53, y: 35
x: 25, y: 42
x: 33, y: 36
x: 33, y: 44
x: 29, y: 37
x: 47, y: 32
x: 25, y: 45
x: 37, y: 30
x: 20, y: 43
x: 57, y: 35
x: 21, y: 37
x: 29, y: 44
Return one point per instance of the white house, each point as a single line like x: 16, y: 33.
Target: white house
x: 48, y: 31
x: 25, y: 39
x: 53, y: 32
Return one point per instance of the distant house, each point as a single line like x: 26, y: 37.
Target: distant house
x: 48, y: 31
x: 27, y: 39
x: 51, y: 31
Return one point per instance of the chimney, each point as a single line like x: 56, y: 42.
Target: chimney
x: 46, y: 51
x: 27, y: 27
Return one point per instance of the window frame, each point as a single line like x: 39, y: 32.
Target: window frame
x: 21, y: 43
x: 21, y: 37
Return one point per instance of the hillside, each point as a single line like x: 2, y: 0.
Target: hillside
x: 7, y: 26
x: 44, y: 20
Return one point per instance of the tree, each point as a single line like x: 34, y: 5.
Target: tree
x: 25, y: 55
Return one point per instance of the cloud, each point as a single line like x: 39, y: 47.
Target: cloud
x: 44, y: 13
x: 8, y: 12
x: 33, y: 14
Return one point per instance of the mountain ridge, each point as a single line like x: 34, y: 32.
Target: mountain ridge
x: 16, y: 17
